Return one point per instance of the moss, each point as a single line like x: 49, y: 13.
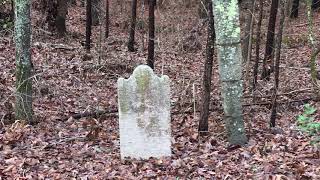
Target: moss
x: 122, y: 92
x: 23, y: 107
x: 142, y: 80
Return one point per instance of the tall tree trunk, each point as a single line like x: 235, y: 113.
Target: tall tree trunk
x: 227, y: 27
x: 107, y: 19
x: 258, y: 40
x: 150, y: 60
x: 61, y: 17
x: 132, y: 26
x: 12, y: 10
x: 315, y: 52
x: 95, y: 12
x: 23, y: 106
x: 295, y: 9
x: 270, y: 41
x: 204, y: 114
x: 277, y: 64
x: 248, y: 30
x: 51, y: 6
x: 88, y: 25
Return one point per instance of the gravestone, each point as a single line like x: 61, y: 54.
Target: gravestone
x: 144, y: 114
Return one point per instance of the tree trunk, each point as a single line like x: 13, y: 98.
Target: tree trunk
x: 88, y: 25
x: 95, y: 12
x: 107, y: 19
x: 314, y: 53
x: 61, y: 17
x: 51, y: 8
x: 12, y: 10
x: 258, y: 40
x: 295, y: 9
x: 277, y: 64
x: 23, y: 106
x: 248, y: 30
x: 150, y: 60
x: 227, y: 27
x: 132, y: 26
x: 204, y: 113
x: 270, y: 41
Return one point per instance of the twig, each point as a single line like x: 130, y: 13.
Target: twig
x: 114, y: 112
x: 281, y: 94
x: 304, y: 24
x: 55, y: 46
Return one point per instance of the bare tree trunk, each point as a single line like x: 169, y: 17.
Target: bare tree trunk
x: 61, y: 17
x: 248, y: 30
x: 270, y: 41
x: 23, y: 106
x: 258, y: 40
x: 204, y: 113
x: 132, y: 26
x: 95, y: 12
x: 277, y: 63
x: 150, y: 60
x: 88, y: 25
x: 315, y: 51
x: 295, y: 9
x: 107, y: 20
x: 51, y: 8
x: 12, y: 10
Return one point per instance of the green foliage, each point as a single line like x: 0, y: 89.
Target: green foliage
x: 307, y: 123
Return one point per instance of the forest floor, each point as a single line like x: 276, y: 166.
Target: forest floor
x: 69, y: 81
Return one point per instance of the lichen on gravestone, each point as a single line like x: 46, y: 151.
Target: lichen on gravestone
x: 144, y: 114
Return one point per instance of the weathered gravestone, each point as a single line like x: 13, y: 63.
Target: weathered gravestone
x: 144, y: 114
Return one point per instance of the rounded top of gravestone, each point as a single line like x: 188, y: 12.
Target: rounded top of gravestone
x: 142, y: 68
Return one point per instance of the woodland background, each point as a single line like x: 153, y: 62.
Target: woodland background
x: 68, y: 80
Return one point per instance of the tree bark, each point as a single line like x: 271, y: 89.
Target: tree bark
x: 88, y: 25
x: 258, y: 40
x: 61, y: 17
x: 132, y: 26
x: 270, y: 41
x: 23, y: 106
x: 204, y: 113
x: 295, y: 9
x: 150, y: 60
x: 51, y: 8
x: 277, y: 64
x: 95, y: 11
x: 315, y: 51
x: 248, y: 30
x: 227, y: 27
x: 107, y: 19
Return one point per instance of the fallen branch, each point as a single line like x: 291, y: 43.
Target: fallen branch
x: 54, y: 46
x: 114, y: 112
x: 282, y: 94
